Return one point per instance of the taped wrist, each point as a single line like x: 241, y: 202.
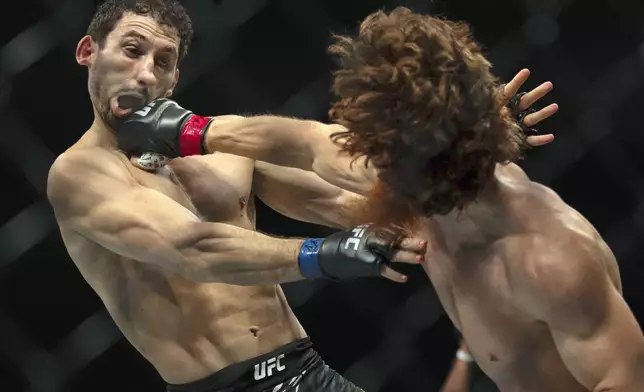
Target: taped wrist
x: 308, y: 258
x: 193, y: 134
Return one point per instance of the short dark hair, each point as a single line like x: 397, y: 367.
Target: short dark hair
x: 420, y: 102
x: 166, y: 12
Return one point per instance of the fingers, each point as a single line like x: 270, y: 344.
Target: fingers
x: 416, y: 245
x: 534, y: 95
x: 404, y: 256
x: 533, y: 119
x: 540, y: 140
x: 150, y: 161
x: 391, y: 274
x: 515, y: 84
x: 410, y: 250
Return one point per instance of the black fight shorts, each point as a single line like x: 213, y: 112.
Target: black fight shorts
x: 295, y: 367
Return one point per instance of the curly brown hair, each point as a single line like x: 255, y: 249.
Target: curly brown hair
x: 419, y: 101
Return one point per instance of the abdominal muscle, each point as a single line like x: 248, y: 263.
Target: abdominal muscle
x: 186, y: 330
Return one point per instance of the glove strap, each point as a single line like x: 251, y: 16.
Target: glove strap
x: 192, y: 134
x: 308, y: 258
x: 520, y: 115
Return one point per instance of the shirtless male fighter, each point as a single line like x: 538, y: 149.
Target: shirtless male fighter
x: 527, y: 280
x: 174, y: 255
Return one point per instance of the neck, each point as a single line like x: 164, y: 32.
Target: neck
x: 489, y: 214
x: 100, y: 134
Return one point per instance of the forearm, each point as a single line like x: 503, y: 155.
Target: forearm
x: 213, y: 252
x: 290, y: 142
x: 301, y: 144
x: 278, y: 140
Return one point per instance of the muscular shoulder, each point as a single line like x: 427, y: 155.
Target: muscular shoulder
x: 81, y: 170
x: 539, y: 260
x: 558, y: 266
x: 557, y: 279
x: 542, y: 213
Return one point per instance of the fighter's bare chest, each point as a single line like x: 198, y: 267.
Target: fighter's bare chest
x: 467, y: 281
x: 474, y: 289
x: 216, y: 188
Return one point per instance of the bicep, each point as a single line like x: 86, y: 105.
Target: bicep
x: 304, y: 196
x: 562, y: 282
x: 100, y: 202
x: 151, y: 228
x: 604, y: 350
x: 141, y: 224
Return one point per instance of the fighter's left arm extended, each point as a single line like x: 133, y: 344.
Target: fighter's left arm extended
x: 594, y: 330
x: 303, y: 195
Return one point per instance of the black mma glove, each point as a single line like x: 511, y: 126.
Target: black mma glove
x: 164, y: 127
x: 360, y: 252
x: 520, y: 115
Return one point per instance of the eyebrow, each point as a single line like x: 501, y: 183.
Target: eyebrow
x: 135, y: 34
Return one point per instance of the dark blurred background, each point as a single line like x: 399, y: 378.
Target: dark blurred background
x: 258, y: 56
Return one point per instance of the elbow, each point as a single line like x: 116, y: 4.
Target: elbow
x: 629, y: 378
x: 175, y: 252
x: 634, y: 383
x: 622, y: 387
x: 204, y: 254
x: 187, y: 256
x: 190, y: 266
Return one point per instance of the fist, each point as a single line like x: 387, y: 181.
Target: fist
x: 162, y: 127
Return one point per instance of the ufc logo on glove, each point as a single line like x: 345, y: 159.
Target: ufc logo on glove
x: 359, y: 252
x: 354, y: 241
x: 145, y: 109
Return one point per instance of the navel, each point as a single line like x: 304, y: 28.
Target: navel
x: 254, y: 330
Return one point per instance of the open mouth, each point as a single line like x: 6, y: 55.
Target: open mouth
x: 124, y: 104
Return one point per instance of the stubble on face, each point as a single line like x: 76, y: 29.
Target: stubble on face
x: 99, y: 92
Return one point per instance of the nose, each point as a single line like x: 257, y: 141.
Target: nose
x: 146, y: 77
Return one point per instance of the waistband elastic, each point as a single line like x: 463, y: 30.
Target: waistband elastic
x: 257, y: 373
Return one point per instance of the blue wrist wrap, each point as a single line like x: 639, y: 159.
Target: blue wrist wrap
x: 308, y: 258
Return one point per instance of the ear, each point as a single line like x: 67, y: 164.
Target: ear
x: 174, y: 84
x: 85, y: 50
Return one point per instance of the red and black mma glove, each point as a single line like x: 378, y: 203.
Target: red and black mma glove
x: 164, y: 127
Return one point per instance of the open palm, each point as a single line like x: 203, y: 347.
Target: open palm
x: 532, y: 119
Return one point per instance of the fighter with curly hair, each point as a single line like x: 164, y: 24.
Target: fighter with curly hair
x: 528, y: 281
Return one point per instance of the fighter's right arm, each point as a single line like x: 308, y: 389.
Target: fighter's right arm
x: 93, y: 195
